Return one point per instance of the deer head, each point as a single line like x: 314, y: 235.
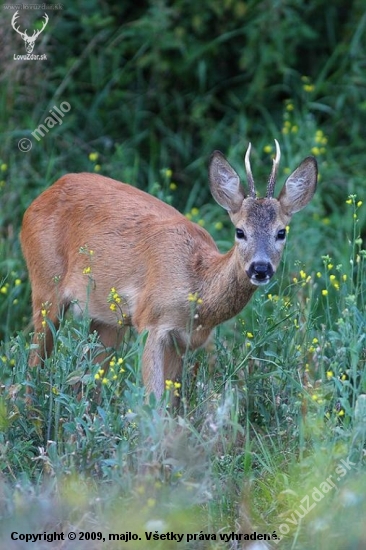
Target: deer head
x: 260, y: 223
x: 28, y: 40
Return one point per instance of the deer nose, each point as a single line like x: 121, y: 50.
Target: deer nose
x: 260, y: 272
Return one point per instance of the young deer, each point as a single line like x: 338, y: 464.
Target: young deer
x: 154, y: 259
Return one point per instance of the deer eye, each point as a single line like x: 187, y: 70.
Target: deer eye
x: 281, y: 235
x: 240, y: 234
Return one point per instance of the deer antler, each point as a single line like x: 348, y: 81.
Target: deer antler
x: 272, y: 177
x: 37, y: 33
x: 252, y: 191
x: 13, y: 22
x: 24, y: 34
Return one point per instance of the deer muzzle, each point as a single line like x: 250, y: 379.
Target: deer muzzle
x: 260, y: 273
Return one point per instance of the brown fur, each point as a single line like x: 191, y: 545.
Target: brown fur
x: 153, y: 256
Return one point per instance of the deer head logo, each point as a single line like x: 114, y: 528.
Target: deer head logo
x: 29, y: 40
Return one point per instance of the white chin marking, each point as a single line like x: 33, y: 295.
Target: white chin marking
x: 259, y: 282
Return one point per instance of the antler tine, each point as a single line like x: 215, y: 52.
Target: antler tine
x: 252, y: 192
x: 272, y: 177
x: 44, y: 24
x: 14, y: 22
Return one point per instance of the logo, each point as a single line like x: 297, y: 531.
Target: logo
x: 28, y: 40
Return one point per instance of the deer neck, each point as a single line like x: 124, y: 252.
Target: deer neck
x: 225, y: 290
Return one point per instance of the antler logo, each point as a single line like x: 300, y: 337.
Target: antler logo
x: 29, y: 40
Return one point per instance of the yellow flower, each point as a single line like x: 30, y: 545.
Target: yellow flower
x: 173, y: 186
x: 168, y: 384
x: 113, y: 307
x: 359, y: 204
x: 4, y: 167
x: 330, y: 374
x: 193, y: 297
x: 268, y: 149
x: 86, y: 270
x: 324, y: 292
x: 93, y: 157
x: 17, y: 282
x: 250, y: 335
x: 97, y: 168
x: 219, y: 225
x: 195, y: 211
x: 105, y: 381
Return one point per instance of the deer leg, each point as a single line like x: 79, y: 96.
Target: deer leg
x: 161, y: 361
x: 43, y: 313
x: 42, y: 342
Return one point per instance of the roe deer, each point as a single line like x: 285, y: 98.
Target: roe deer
x: 152, y: 259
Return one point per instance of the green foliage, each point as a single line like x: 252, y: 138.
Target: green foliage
x: 278, y: 402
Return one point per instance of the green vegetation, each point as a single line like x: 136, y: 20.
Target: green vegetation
x: 273, y: 418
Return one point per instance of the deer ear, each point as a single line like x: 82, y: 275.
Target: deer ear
x: 299, y: 187
x: 225, y: 183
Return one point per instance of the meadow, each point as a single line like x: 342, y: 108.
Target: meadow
x: 270, y: 436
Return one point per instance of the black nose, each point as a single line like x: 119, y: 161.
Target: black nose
x: 260, y: 271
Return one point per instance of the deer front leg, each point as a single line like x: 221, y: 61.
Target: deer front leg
x: 161, y: 361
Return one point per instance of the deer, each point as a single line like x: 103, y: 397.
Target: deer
x: 29, y: 41
x: 89, y: 237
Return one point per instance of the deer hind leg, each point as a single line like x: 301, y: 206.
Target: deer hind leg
x: 161, y: 361
x: 44, y: 313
